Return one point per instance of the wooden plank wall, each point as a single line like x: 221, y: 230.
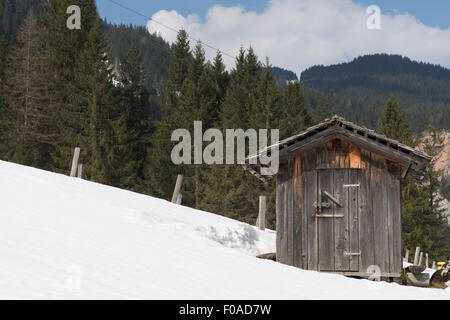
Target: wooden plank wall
x: 354, y: 216
x: 298, y: 213
x: 394, y: 204
x: 366, y: 226
x: 374, y: 222
x: 310, y: 196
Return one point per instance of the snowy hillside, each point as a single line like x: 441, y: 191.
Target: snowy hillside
x: 67, y: 238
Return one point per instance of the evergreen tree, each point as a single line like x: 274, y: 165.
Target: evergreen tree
x: 97, y: 97
x: 393, y: 123
x: 232, y: 190
x: 220, y: 80
x: 422, y: 220
x: 133, y: 125
x: 322, y: 109
x: 3, y: 116
x: 160, y: 170
x: 294, y: 105
x: 65, y: 46
x: 430, y: 187
x: 28, y: 115
x: 82, y: 90
x: 266, y: 109
x: 196, y: 104
x: 3, y: 53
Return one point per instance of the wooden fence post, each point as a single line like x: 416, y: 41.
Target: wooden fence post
x: 76, y: 156
x: 177, y: 189
x: 179, y: 198
x: 261, y: 221
x: 80, y: 171
x: 416, y: 256
x: 407, y: 255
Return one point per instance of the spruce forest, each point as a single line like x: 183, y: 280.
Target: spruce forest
x: 118, y: 93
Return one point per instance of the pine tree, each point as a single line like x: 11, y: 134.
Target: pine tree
x: 297, y: 117
x: 220, y: 80
x: 267, y: 113
x: 238, y: 103
x: 322, y: 110
x: 28, y: 115
x: 3, y: 115
x: 196, y: 104
x: 82, y: 90
x: 96, y: 95
x: 266, y: 109
x: 161, y: 173
x: 65, y: 46
x: 422, y: 221
x: 430, y: 187
x: 233, y: 191
x: 393, y: 123
x: 132, y: 125
x: 3, y: 53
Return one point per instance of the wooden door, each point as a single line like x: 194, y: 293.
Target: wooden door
x: 337, y: 219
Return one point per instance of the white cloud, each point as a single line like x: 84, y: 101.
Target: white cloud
x: 297, y: 34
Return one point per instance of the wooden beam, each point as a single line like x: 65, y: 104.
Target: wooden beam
x: 76, y: 156
x: 336, y: 201
x: 407, y: 255
x: 416, y: 256
x: 177, y: 188
x: 406, y: 170
x: 80, y: 171
x: 262, y: 213
x: 179, y: 198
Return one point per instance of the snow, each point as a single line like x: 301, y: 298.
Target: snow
x: 65, y: 238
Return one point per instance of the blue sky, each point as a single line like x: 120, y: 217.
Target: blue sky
x: 432, y: 13
x: 296, y: 34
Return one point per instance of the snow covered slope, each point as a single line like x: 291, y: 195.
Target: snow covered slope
x: 66, y: 238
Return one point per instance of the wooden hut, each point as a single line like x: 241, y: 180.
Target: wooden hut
x: 338, y: 200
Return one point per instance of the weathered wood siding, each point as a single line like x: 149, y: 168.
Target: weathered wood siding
x: 371, y: 222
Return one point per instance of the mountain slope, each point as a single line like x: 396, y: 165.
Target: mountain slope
x: 68, y: 238
x: 358, y: 90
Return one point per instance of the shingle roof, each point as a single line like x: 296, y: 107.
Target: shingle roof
x: 419, y: 160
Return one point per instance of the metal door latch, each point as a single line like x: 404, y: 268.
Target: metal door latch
x: 352, y: 254
x: 323, y: 205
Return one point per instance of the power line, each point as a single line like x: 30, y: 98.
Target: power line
x: 170, y: 28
